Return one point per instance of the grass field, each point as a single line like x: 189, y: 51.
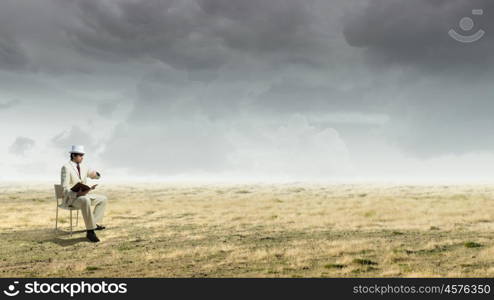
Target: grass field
x: 255, y: 230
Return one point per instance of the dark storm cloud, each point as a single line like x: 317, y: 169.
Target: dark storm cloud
x: 195, y: 34
x: 21, y: 145
x: 415, y: 33
x: 442, y: 99
x: 168, y: 31
x: 280, y: 27
x: 12, y: 55
x: 278, y: 35
x: 233, y: 84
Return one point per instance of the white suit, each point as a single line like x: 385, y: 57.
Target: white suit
x: 69, y: 178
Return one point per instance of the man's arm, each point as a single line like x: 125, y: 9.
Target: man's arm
x: 65, y: 184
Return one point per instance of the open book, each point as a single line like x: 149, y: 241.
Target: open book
x: 80, y: 187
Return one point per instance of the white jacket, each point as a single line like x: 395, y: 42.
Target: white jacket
x: 70, y: 177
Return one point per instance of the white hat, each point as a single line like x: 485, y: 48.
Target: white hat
x: 77, y: 149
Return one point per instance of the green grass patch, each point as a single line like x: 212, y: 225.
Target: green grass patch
x: 125, y: 247
x: 369, y: 214
x: 364, y: 262
x: 242, y: 192
x: 334, y: 266
x: 472, y: 245
x: 364, y: 270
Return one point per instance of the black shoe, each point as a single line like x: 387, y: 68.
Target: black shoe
x: 99, y: 227
x: 92, y: 236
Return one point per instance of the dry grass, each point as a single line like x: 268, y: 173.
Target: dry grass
x: 256, y: 230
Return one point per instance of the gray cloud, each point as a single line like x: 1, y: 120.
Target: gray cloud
x: 260, y: 86
x: 416, y: 34
x: 12, y: 56
x: 439, y: 102
x: 106, y: 109
x: 21, y: 145
x: 197, y: 34
x: 180, y: 146
x: 9, y: 104
x: 176, y: 146
x: 74, y: 136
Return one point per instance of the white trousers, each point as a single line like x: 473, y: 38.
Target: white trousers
x: 84, y: 204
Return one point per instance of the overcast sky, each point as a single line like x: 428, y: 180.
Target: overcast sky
x: 278, y: 89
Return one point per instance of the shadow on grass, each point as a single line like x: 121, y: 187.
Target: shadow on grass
x: 68, y: 242
x: 50, y: 235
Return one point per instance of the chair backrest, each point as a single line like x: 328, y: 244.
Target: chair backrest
x: 58, y: 191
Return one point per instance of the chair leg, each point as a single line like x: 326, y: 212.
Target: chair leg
x: 71, y: 222
x: 77, y: 219
x: 56, y: 219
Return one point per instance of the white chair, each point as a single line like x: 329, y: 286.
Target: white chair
x: 59, y: 195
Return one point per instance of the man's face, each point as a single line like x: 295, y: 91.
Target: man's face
x: 78, y: 158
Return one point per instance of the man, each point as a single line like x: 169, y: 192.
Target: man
x: 72, y: 173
